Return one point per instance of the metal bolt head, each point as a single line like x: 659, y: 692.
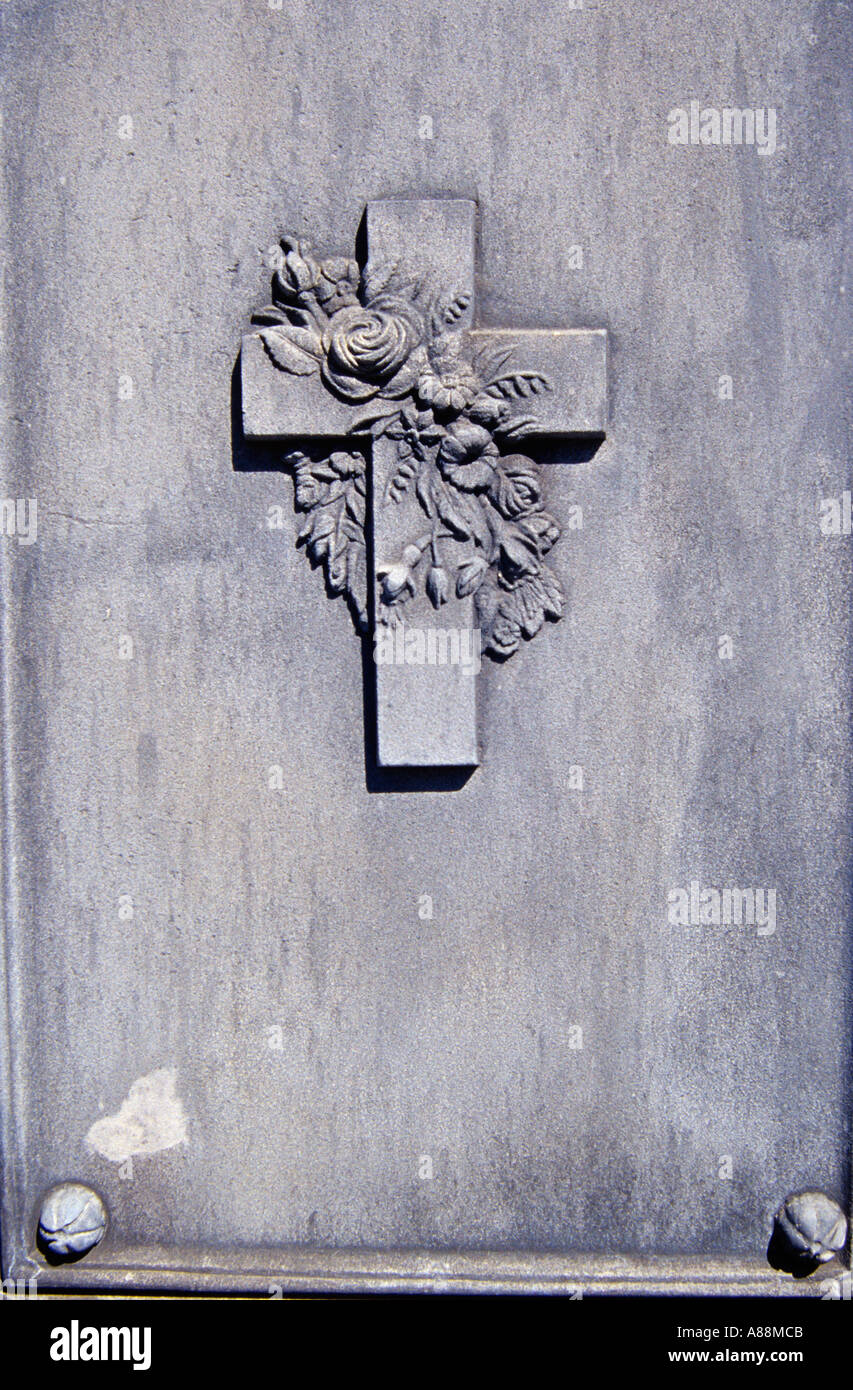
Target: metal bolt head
x: 812, y: 1226
x: 72, y: 1220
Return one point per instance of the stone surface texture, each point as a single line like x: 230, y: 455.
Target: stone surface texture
x: 199, y: 873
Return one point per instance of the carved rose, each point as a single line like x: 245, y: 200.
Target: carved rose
x: 365, y: 348
x: 467, y: 457
x: 516, y: 490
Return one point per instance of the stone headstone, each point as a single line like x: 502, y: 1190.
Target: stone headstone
x: 337, y: 955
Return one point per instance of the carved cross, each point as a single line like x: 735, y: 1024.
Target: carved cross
x: 394, y: 357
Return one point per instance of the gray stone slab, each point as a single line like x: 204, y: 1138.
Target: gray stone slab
x: 300, y: 1026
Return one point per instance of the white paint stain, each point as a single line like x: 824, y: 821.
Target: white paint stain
x: 151, y: 1119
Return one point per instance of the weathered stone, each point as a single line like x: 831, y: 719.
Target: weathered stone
x: 523, y: 1028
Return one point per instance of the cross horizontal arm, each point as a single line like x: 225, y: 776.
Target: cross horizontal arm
x: 575, y: 362
x: 276, y: 406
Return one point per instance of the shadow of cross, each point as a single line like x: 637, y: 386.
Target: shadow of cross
x: 426, y: 713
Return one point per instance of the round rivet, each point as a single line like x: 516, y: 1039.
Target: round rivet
x: 809, y: 1229
x: 72, y: 1220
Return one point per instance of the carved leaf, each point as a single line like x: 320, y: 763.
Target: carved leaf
x: 470, y: 576
x: 295, y: 350
x: 461, y: 512
x: 305, y: 530
x: 553, y: 590
x: 522, y: 612
x: 488, y: 361
x: 518, y: 384
x: 527, y: 608
x: 319, y: 535
x: 355, y: 508
x: 517, y: 428
x: 270, y: 314
x: 331, y: 490
x: 423, y: 491
x: 375, y: 423
x: 377, y: 278
x: 448, y: 505
x: 357, y: 583
x: 456, y: 308
x: 336, y: 572
x: 406, y: 470
x: 475, y: 516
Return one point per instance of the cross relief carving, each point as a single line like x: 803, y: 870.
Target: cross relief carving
x: 403, y: 425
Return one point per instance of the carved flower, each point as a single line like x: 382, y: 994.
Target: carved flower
x: 397, y: 583
x: 337, y: 286
x: 467, y: 457
x: 486, y: 410
x: 453, y: 390
x: 438, y: 586
x: 516, y: 490
x: 298, y: 272
x: 366, y: 347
